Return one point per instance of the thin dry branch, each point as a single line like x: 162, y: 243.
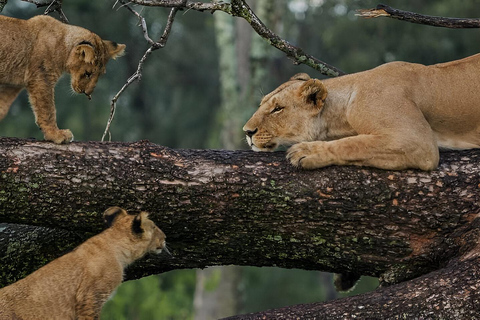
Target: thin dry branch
x: 385, y: 11
x: 3, y: 3
x: 154, y: 45
x: 239, y: 8
x: 52, y: 6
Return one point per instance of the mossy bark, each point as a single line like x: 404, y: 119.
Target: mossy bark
x: 245, y: 208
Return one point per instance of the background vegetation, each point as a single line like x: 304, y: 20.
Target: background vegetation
x: 179, y: 103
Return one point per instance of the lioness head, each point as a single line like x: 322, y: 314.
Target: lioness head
x: 286, y: 115
x: 87, y: 62
x: 142, y: 232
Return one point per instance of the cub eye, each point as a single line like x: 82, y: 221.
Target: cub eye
x: 87, y: 74
x: 277, y: 109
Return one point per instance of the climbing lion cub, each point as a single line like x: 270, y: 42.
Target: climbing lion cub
x: 76, y: 285
x: 34, y: 53
x: 395, y: 116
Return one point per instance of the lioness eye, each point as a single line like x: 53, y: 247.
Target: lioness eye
x: 277, y: 109
x: 87, y: 74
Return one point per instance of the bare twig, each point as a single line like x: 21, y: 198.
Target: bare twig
x: 3, y: 3
x: 385, y: 11
x: 239, y: 8
x: 52, y: 6
x: 154, y: 45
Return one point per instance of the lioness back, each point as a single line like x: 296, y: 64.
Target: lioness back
x: 76, y: 285
x: 34, y: 53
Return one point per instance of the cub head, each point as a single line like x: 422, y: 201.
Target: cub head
x: 87, y: 62
x: 287, y: 114
x: 142, y: 232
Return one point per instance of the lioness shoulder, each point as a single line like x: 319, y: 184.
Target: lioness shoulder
x: 76, y: 285
x: 34, y: 53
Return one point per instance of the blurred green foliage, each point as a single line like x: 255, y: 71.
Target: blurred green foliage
x: 177, y: 100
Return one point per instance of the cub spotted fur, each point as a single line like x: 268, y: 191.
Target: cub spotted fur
x: 76, y: 285
x: 395, y: 116
x: 34, y: 53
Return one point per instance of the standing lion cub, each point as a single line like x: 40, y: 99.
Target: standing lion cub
x: 395, y: 116
x: 76, y: 285
x: 34, y: 53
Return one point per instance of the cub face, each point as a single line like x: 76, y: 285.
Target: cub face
x: 286, y: 115
x: 144, y: 235
x: 87, y: 62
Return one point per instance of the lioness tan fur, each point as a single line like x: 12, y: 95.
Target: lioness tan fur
x: 395, y: 116
x: 34, y: 53
x: 76, y: 285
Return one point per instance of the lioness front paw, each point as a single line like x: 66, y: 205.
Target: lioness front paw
x: 59, y: 136
x: 304, y: 155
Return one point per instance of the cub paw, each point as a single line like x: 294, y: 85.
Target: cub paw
x: 302, y: 155
x: 59, y: 136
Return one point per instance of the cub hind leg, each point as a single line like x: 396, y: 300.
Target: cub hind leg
x: 7, y: 96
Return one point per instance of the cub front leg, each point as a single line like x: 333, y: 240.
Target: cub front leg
x: 378, y: 151
x: 42, y: 100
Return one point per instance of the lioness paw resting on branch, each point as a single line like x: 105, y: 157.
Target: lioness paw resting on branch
x: 76, y: 285
x: 34, y: 53
x: 395, y: 116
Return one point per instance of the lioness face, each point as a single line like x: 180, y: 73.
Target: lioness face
x: 286, y: 115
x: 87, y: 63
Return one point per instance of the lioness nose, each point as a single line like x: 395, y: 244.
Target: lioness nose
x: 250, y: 133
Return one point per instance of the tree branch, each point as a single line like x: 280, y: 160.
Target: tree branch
x: 239, y: 8
x: 385, y: 11
x: 449, y: 293
x: 245, y: 208
x: 52, y: 6
x: 3, y: 3
x: 138, y: 74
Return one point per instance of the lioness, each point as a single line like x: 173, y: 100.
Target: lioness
x: 76, y: 285
x: 395, y: 116
x: 33, y: 55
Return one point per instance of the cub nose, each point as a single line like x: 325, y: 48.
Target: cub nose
x: 250, y: 133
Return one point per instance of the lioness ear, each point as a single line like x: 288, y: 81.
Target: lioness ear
x: 114, y: 49
x: 111, y: 214
x: 86, y: 52
x: 313, y: 92
x: 300, y: 76
x: 137, y: 224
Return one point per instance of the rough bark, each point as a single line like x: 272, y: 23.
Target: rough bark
x: 245, y: 208
x: 449, y: 293
x: 386, y: 11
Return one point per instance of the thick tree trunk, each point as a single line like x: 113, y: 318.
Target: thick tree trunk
x: 246, y: 208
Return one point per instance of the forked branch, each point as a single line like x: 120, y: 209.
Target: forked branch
x: 385, y: 11
x: 239, y: 8
x: 52, y: 6
x: 154, y: 45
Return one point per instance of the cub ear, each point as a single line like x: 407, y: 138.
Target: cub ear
x: 86, y: 52
x: 114, y: 49
x: 111, y: 214
x: 138, y: 221
x: 300, y: 76
x: 313, y: 92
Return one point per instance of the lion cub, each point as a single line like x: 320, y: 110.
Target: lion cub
x: 34, y: 53
x: 76, y: 285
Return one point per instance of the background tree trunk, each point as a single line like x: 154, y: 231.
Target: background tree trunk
x: 246, y: 208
